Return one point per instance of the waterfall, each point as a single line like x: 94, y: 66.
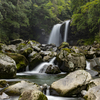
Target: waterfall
x: 66, y: 30
x: 55, y: 35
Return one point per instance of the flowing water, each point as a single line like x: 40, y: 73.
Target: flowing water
x: 55, y: 35
x: 66, y: 30
x: 40, y: 79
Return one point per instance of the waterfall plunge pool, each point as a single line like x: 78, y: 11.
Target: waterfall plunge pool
x: 40, y: 79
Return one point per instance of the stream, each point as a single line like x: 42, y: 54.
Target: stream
x: 40, y: 79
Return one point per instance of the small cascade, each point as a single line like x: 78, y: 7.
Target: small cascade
x: 52, y: 60
x: 66, y: 30
x: 55, y: 35
x: 88, y: 65
x: 40, y: 67
x: 48, y: 90
x: 43, y: 66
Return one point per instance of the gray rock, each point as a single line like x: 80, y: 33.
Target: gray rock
x: 93, y: 93
x: 32, y: 95
x: 94, y: 82
x: 34, y: 59
x: 69, y: 61
x: 3, y: 83
x: 7, y: 67
x: 20, y: 87
x: 52, y: 69
x: 72, y: 84
x: 21, y: 61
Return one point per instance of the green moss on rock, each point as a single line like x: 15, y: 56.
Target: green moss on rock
x: 63, y: 45
x: 20, y: 60
x: 32, y: 95
x: 67, y: 49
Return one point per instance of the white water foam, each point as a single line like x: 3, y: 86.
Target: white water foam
x: 88, y: 65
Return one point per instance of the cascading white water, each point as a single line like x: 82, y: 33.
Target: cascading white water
x: 88, y: 65
x: 66, y: 30
x: 55, y: 35
x: 42, y: 66
x: 48, y: 91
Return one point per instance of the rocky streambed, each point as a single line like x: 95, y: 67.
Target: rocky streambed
x: 77, y: 81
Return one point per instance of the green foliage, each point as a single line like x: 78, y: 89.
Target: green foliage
x: 86, y: 17
x: 18, y: 18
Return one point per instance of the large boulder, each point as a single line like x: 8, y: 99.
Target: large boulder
x: 21, y: 61
x: 20, y: 87
x: 72, y: 84
x: 93, y: 93
x: 69, y: 61
x: 32, y: 95
x: 7, y: 67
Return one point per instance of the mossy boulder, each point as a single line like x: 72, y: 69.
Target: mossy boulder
x: 3, y: 83
x: 32, y: 95
x: 34, y: 43
x: 34, y: 59
x: 47, y: 55
x: 7, y: 67
x: 69, y: 61
x: 63, y: 45
x: 52, y: 69
x: 25, y: 48
x: 7, y: 48
x: 21, y: 61
x: 26, y: 51
x: 20, y: 87
x: 20, y: 46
